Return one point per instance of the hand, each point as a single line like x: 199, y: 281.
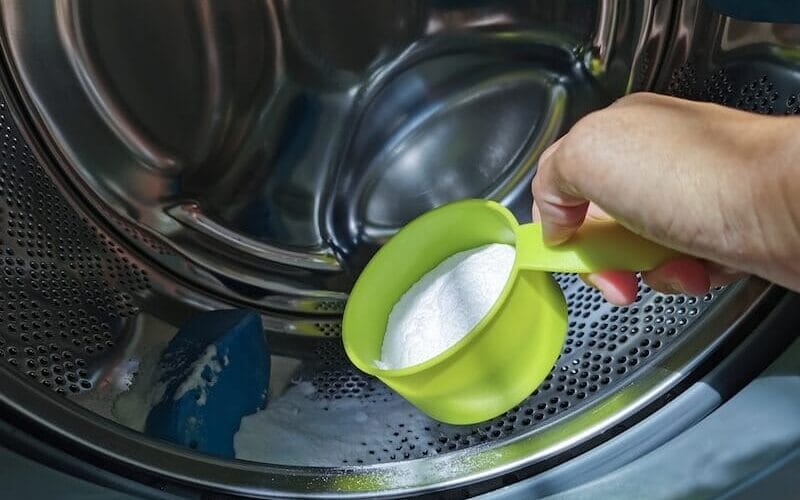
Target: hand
x: 719, y: 185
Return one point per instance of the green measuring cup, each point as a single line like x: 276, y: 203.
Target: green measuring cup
x: 513, y: 348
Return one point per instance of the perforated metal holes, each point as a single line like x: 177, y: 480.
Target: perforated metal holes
x: 766, y: 92
x: 77, y: 290
x: 350, y: 383
x: 605, y: 346
x: 329, y: 306
x: 717, y: 88
x: 138, y: 235
x: 329, y: 328
x: 758, y: 95
x: 683, y: 81
x: 66, y: 290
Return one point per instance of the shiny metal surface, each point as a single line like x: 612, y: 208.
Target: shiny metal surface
x: 258, y: 154
x: 272, y: 146
x: 750, y: 66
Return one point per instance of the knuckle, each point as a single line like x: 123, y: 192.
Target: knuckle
x: 536, y: 185
x: 576, y: 150
x: 639, y: 98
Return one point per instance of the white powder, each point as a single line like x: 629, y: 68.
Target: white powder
x: 301, y: 428
x: 197, y: 378
x: 443, y: 306
x: 132, y: 407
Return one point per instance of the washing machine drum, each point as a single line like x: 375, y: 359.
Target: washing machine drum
x: 161, y: 159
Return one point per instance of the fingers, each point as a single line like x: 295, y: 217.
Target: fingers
x: 596, y: 213
x: 618, y: 287
x: 690, y: 276
x: 682, y: 275
x: 560, y: 221
x: 719, y: 275
x: 560, y: 213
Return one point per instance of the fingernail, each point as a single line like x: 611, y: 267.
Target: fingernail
x: 553, y: 234
x: 698, y: 287
x: 676, y: 287
x: 614, y: 297
x: 596, y: 213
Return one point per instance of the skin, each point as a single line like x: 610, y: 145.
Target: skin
x: 719, y: 185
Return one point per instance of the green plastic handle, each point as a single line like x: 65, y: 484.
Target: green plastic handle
x: 597, y: 246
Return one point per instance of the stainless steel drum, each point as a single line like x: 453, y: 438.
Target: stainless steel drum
x: 162, y: 158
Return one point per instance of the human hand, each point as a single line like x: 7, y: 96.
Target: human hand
x: 687, y: 175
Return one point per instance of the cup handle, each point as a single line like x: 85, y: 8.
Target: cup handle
x: 597, y: 246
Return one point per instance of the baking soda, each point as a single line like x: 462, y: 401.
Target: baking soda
x: 299, y: 428
x: 445, y: 304
x: 200, y: 378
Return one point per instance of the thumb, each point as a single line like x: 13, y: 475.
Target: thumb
x: 560, y: 213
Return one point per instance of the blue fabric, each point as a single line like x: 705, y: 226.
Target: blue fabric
x: 772, y: 11
x: 206, y: 418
